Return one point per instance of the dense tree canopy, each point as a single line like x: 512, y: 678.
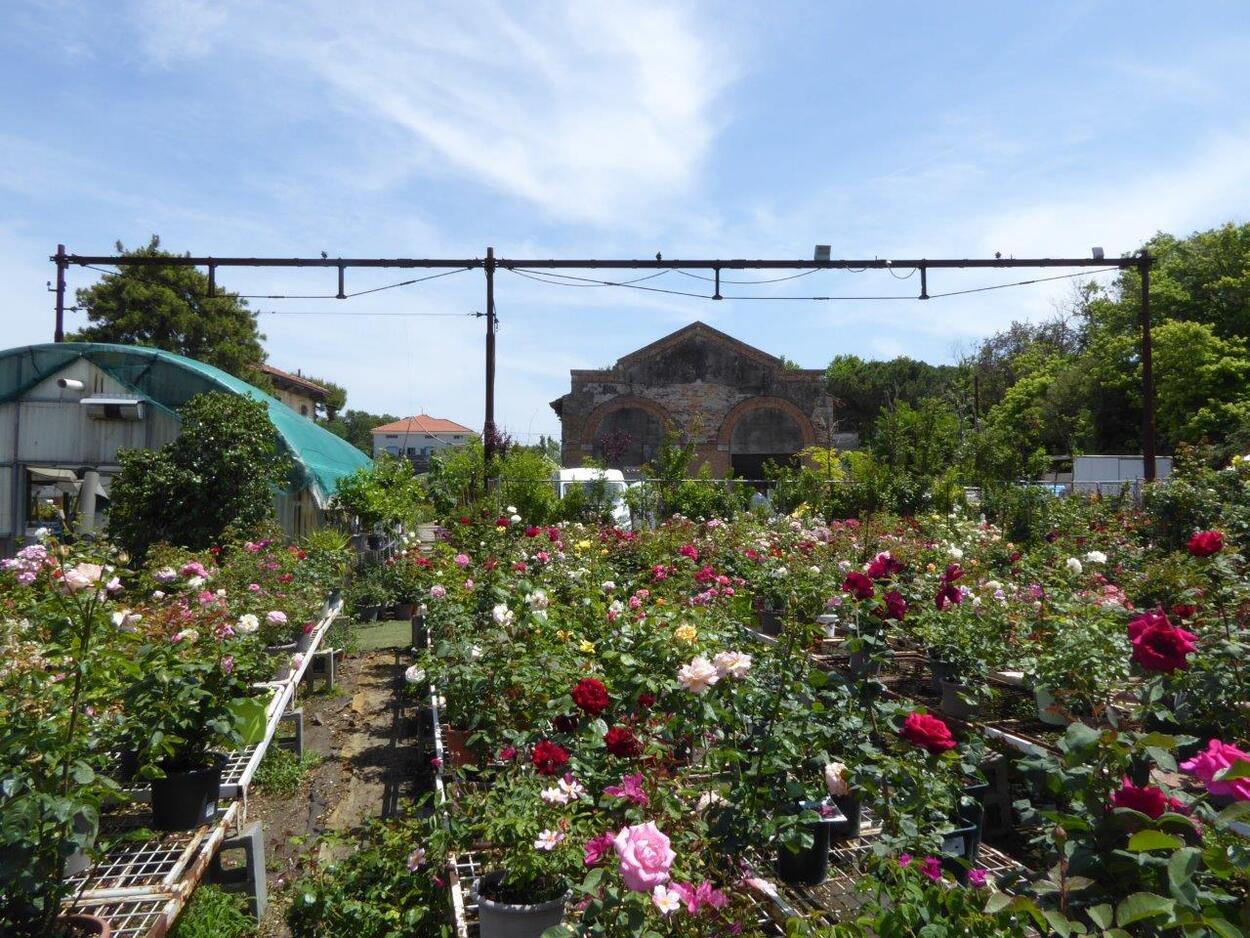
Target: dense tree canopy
x: 356, y: 427
x: 1072, y: 384
x: 169, y: 308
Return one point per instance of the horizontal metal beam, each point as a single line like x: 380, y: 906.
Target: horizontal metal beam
x: 876, y: 263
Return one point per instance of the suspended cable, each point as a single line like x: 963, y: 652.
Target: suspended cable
x: 632, y: 284
x: 805, y: 273
x: 1023, y: 283
x: 350, y: 312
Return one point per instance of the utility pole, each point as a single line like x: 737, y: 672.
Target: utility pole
x: 488, y: 428
x: 1147, y: 373
x: 61, y: 264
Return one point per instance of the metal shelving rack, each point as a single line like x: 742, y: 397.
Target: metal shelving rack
x: 141, y: 886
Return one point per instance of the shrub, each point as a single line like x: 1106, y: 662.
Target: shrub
x: 220, y: 473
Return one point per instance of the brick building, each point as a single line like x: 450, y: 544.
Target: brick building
x: 742, y: 406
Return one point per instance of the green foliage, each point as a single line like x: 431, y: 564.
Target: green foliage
x: 356, y: 427
x: 457, y: 477
x: 335, y: 401
x: 385, y: 493
x: 214, y: 913
x: 169, y: 308
x: 864, y: 389
x: 373, y: 893
x: 524, y: 482
x: 220, y: 473
x: 281, y: 772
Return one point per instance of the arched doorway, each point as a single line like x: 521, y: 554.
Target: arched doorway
x: 626, y: 433
x: 764, y: 429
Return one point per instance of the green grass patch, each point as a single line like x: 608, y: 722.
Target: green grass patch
x: 281, y: 773
x: 212, y: 913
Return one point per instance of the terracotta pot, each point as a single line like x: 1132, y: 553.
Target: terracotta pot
x: 456, y: 747
x: 87, y: 925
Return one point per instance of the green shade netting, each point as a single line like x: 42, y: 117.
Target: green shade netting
x: 169, y: 381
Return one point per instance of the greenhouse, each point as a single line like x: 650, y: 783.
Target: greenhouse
x: 67, y: 408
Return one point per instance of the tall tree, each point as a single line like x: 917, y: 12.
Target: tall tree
x: 169, y: 308
x: 334, y: 402
x: 356, y: 427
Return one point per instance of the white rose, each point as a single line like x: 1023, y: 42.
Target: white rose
x: 81, y: 577
x: 415, y: 674
x: 698, y: 675
x: 1095, y: 556
x: 835, y: 780
x: 502, y: 615
x: 956, y: 553
x: 248, y: 623
x: 1074, y: 565
x: 735, y: 664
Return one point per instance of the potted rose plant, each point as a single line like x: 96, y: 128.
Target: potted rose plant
x: 191, y: 700
x: 61, y: 658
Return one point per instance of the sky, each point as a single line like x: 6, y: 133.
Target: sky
x: 587, y: 129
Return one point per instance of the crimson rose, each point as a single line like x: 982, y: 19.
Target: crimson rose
x: 591, y: 696
x: 1206, y: 543
x: 858, y: 585
x: 1160, y: 646
x: 1149, y: 800
x: 549, y: 758
x: 621, y: 742
x: 927, y: 731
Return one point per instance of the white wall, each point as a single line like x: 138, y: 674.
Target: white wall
x: 419, y: 442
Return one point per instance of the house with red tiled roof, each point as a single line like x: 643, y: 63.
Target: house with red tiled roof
x: 419, y: 438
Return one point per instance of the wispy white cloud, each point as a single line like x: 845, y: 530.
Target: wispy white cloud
x: 590, y: 112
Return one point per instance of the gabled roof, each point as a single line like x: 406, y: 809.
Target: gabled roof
x: 169, y: 381
x: 422, y: 423
x: 703, y: 330
x: 298, y: 382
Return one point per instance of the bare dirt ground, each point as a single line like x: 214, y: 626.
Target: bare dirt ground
x: 370, y: 767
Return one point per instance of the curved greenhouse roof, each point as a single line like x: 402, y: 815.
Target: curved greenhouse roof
x: 169, y: 380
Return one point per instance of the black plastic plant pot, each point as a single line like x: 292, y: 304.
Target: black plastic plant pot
x: 367, y: 613
x: 959, y: 850
x: 186, y: 798
x: 404, y: 611
x: 851, y: 808
x: 953, y: 702
x: 940, y: 671
x: 808, y: 866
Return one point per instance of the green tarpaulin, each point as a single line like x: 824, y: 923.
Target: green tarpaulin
x: 169, y: 381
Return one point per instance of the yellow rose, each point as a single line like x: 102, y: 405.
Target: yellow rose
x: 930, y: 567
x: 587, y: 647
x: 687, y: 633
x: 563, y: 634
x: 582, y: 545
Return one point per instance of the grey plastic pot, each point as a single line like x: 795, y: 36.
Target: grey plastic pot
x: 505, y: 920
x: 953, y: 702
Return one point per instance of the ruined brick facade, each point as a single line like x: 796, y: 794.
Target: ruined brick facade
x: 741, y: 406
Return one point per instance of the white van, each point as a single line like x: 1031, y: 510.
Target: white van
x: 613, y: 480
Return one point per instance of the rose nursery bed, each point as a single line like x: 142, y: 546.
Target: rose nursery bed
x: 736, y: 727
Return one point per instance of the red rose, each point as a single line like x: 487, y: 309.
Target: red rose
x: 591, y: 696
x: 621, y: 742
x: 1149, y: 800
x: 895, y: 606
x: 884, y: 566
x: 549, y: 758
x: 533, y: 531
x: 646, y: 701
x: 858, y: 585
x: 1206, y: 543
x: 927, y: 731
x: 1162, y: 647
x: 953, y: 572
x: 1145, y: 621
x: 948, y: 594
x: 1184, y: 610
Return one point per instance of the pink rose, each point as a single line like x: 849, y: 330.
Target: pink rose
x: 645, y: 856
x: 81, y: 577
x: 1213, y: 760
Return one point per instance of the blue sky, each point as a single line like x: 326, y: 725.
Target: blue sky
x: 608, y: 130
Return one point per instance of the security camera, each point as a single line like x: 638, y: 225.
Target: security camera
x: 69, y: 384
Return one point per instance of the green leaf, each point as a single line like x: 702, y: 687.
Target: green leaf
x: 1101, y: 915
x: 998, y: 902
x: 1058, y: 922
x: 1182, y: 866
x: 1236, y: 810
x: 1141, y: 905
x: 1238, y: 770
x: 1223, y: 928
x: 1147, y: 840
x: 249, y: 718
